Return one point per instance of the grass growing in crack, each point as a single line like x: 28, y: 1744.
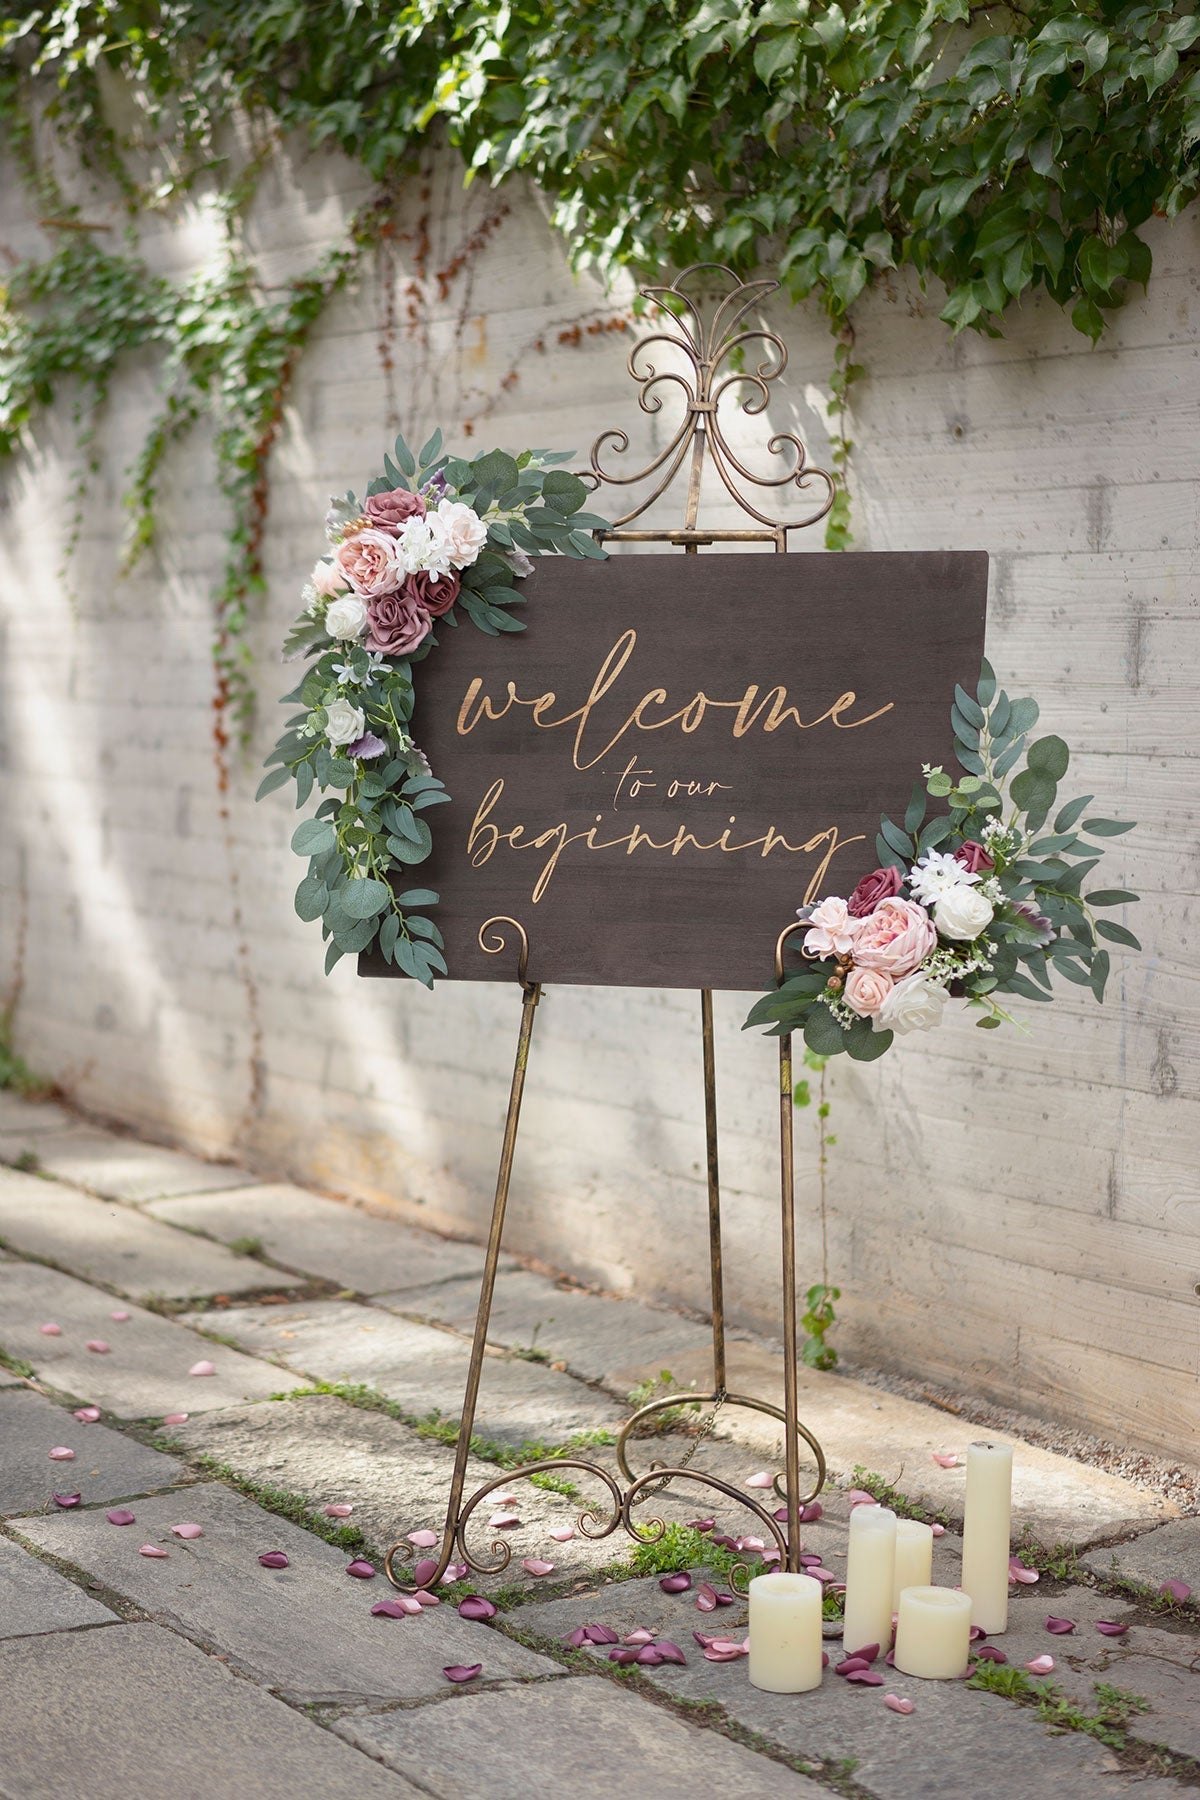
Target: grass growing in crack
x: 671, y: 1418
x: 16, y: 1365
x: 284, y: 1503
x: 1146, y: 1596
x: 27, y: 1163
x: 1107, y: 1724
x: 1060, y: 1564
x: 680, y: 1547
x: 887, y: 1495
x: 248, y: 1246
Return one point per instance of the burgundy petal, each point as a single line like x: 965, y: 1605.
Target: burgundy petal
x: 273, y: 1559
x: 424, y: 1571
x: 897, y: 1704
x: 461, y: 1672
x: 120, y: 1515
x: 809, y: 1559
x: 848, y: 1666
x: 989, y: 1653
x: 187, y: 1530
x: 341, y: 1509
x: 97, y: 1345
x: 423, y: 1540
x: 703, y: 1639
x: 890, y: 1659
x: 1059, y: 1627
x: 671, y: 1653
x: 361, y: 1569
x: 60, y: 1453
x: 701, y: 1524
x: 87, y: 1415
x: 1110, y: 1628
x: 976, y: 1632
x: 649, y: 1654
x: 50, y: 1330
x: 868, y: 1677
x: 389, y: 1609
x: 724, y: 1541
x: 781, y: 1513
x: 678, y: 1583
x: 625, y: 1654
x: 474, y: 1606
x: 724, y: 1599
x: 576, y: 1639
x: 1176, y: 1590
x: 824, y: 1659
x: 152, y: 1550
x: 600, y: 1634
x: 65, y: 1500
x: 810, y: 1513
x: 868, y: 1652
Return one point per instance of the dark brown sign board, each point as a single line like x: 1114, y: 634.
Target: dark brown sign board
x: 678, y: 751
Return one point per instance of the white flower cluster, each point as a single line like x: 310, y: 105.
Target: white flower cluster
x: 960, y: 910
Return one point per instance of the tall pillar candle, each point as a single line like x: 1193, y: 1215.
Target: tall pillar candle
x: 870, y: 1577
x: 785, y: 1633
x: 933, y: 1633
x: 986, y: 1527
x: 914, y: 1557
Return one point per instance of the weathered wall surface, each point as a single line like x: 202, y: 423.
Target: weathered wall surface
x: 1019, y: 1214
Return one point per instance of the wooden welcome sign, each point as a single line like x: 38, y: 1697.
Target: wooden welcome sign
x: 679, y: 751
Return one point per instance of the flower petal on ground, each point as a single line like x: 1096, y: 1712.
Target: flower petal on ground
x: 175, y: 1419
x: 625, y: 1654
x: 273, y: 1559
x: 898, y: 1704
x: 65, y: 1500
x: 641, y: 1636
x: 564, y: 1534
x: 152, y: 1550
x: 850, y: 1663
x: 600, y: 1634
x: 1018, y: 1571
x: 533, y: 1565
x: 946, y: 1459
x: 456, y: 1572
x: 424, y: 1571
x: 120, y: 1317
x: 189, y: 1529
x: 809, y: 1559
x: 820, y: 1574
x: 868, y: 1677
x: 1060, y: 1627
x: 87, y: 1415
x: 989, y: 1653
x: 1111, y: 1628
x: 506, y: 1499
x: 706, y: 1597
x: 701, y: 1524
x: 975, y: 1633
x: 60, y: 1453
x: 463, y: 1671
x: 1041, y: 1665
x: 1176, y: 1590
x: 424, y: 1540
x: 938, y: 1530
x: 811, y: 1513
x: 677, y: 1583
x: 474, y: 1606
x: 576, y: 1639
x: 423, y: 1598
x: 202, y: 1368
x: 49, y: 1329
x: 97, y: 1346
x: 761, y: 1479
x: 751, y: 1543
x: 723, y: 1651
x: 389, y: 1609
x: 120, y: 1515
x: 671, y: 1653
x: 860, y: 1497
x: 868, y: 1652
x: 361, y: 1569
x: 502, y: 1521
x: 649, y: 1655
x: 341, y: 1509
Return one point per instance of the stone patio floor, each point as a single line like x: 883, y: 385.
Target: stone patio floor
x: 336, y: 1342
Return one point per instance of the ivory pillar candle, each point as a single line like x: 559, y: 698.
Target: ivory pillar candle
x: 933, y: 1635
x: 914, y: 1557
x: 986, y: 1528
x: 785, y: 1633
x: 870, y: 1576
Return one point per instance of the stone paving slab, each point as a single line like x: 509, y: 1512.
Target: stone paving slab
x: 956, y: 1740
x: 1169, y: 1553
x: 1061, y: 1500
x: 591, y: 1334
x: 107, y: 1465
x: 306, y: 1630
x: 102, y: 1240
x: 423, y: 1369
x: 118, y: 1168
x: 135, y: 1711
x: 325, y: 1238
x: 35, y: 1598
x: 145, y: 1372
x: 583, y: 1737
x: 20, y: 1117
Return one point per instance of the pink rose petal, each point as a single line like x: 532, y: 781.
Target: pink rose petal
x: 462, y: 1672
x: 50, y: 1330
x: 87, y: 1415
x: 120, y: 1515
x: 1176, y: 1590
x: 564, y: 1534
x: 868, y: 1677
x: 1110, y: 1628
x: 809, y: 1559
x: 763, y: 1479
x: 770, y: 1555
x: 824, y: 1659
x: 706, y: 1598
x: 704, y: 1639
x: 751, y: 1543
x: 820, y: 1574
x: 600, y: 1634
x: 533, y: 1565
x: 677, y: 1583
x: 389, y: 1609
x: 1041, y: 1665
x: 671, y: 1653
x: 1060, y: 1627
x: 65, y: 1500
x: 945, y: 1459
x: 641, y: 1636
x: 456, y: 1572
x: 850, y: 1663
x: 724, y: 1541
x: 898, y: 1704
x: 424, y: 1598
x: 273, y: 1559
x: 409, y: 1605
x: 890, y: 1659
x: 424, y: 1540
x: 506, y: 1499
x: 175, y: 1418
x: 60, y: 1453
x: 860, y: 1497
x: 424, y: 1571
x: 728, y: 1653
x: 188, y: 1529
x: 200, y: 1368
x: 701, y: 1524
x: 625, y: 1654
x: 341, y: 1509
x: 152, y: 1550
x: 938, y: 1530
x: 120, y: 1317
x: 503, y: 1521
x: 361, y: 1569
x: 976, y: 1632
x: 98, y: 1346
x: 474, y: 1606
x: 1018, y: 1571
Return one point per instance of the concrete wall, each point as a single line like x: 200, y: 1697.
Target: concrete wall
x: 1018, y: 1214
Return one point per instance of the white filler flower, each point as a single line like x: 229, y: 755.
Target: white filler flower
x: 344, y: 723
x: 937, y: 872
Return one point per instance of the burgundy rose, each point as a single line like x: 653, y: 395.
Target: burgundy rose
x: 436, y: 593
x: 881, y: 884
x: 973, y: 857
x: 389, y: 511
x: 396, y: 624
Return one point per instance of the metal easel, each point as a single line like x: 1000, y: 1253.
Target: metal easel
x: 714, y: 346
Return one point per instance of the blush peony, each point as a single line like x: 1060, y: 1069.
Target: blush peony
x: 895, y: 938
x: 832, y: 932
x: 328, y: 579
x: 370, y: 563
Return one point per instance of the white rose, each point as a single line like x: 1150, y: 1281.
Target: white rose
x: 344, y: 723
x: 464, y: 532
x: 962, y: 913
x: 347, y: 617
x: 914, y: 1004
x: 424, y: 547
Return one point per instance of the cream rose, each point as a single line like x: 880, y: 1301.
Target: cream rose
x: 866, y: 990
x: 464, y: 532
x: 328, y: 579
x: 896, y: 937
x: 370, y: 563
x: 832, y: 932
x: 962, y: 913
x: 344, y: 723
x: 913, y: 1004
x: 346, y: 617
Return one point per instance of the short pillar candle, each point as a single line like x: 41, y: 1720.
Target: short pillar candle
x: 914, y: 1557
x: 987, y: 1522
x: 933, y: 1635
x: 785, y: 1633
x: 870, y: 1576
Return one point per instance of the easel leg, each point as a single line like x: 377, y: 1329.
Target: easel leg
x: 787, y: 1207
x: 533, y: 994
x: 714, y: 1191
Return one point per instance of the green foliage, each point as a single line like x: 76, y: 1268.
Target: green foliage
x: 815, y: 1321
x: 889, y: 1495
x: 681, y: 1547
x: 15, y: 1072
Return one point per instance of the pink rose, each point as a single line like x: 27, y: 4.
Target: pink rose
x: 832, y: 932
x: 436, y: 593
x: 396, y: 624
x: 328, y: 580
x: 370, y: 563
x: 389, y: 511
x: 896, y: 938
x: 866, y: 990
x: 973, y: 857
x: 881, y: 884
